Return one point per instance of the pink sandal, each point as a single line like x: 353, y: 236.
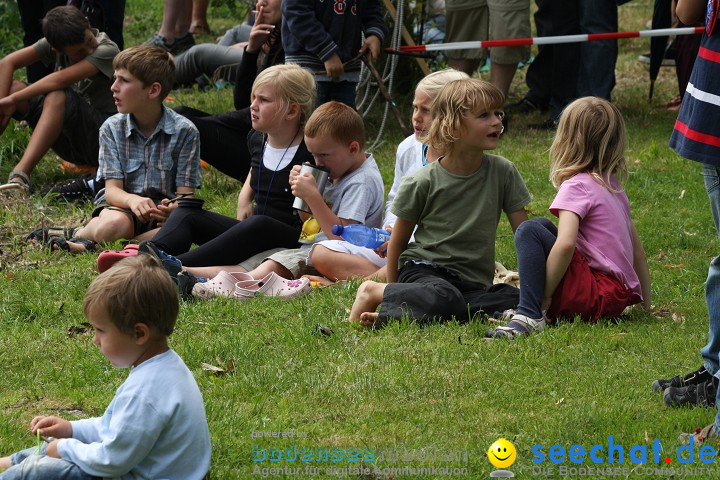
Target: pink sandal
x: 273, y: 285
x: 108, y: 258
x: 221, y: 285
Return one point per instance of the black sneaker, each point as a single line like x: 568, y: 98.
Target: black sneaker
x: 77, y: 189
x: 522, y: 107
x: 701, y: 395
x: 693, y: 378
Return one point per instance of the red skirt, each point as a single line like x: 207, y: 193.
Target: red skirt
x: 589, y: 294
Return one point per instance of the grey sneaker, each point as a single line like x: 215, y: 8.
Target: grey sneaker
x: 226, y: 73
x: 179, y: 45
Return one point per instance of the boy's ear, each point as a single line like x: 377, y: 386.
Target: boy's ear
x: 354, y: 147
x: 141, y: 332
x: 155, y: 90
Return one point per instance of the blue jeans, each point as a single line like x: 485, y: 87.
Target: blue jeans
x: 343, y: 92
x: 711, y: 351
x: 533, y: 241
x: 597, y: 59
x: 28, y: 465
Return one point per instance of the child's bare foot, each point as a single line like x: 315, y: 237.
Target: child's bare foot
x: 319, y: 280
x: 5, y: 462
x: 74, y: 245
x: 369, y: 319
x: 367, y: 299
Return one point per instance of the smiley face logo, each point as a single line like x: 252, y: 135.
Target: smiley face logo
x: 501, y: 453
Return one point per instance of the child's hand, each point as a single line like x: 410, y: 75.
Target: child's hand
x: 142, y: 207
x: 334, y: 66
x: 382, y: 249
x: 260, y: 31
x: 161, y: 212
x: 244, y: 210
x: 303, y: 185
x: 52, y: 449
x: 372, y: 46
x: 51, y: 427
x: 294, y: 172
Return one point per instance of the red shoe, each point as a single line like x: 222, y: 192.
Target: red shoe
x: 108, y: 258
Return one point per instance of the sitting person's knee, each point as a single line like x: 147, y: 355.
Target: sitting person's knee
x: 320, y: 256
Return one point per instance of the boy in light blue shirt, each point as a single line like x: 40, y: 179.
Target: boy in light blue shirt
x: 155, y: 426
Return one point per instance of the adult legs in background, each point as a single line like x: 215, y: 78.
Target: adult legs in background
x: 597, y: 59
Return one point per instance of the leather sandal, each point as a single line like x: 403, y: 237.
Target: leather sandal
x: 17, y: 180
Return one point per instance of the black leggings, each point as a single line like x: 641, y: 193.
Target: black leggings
x: 222, y: 240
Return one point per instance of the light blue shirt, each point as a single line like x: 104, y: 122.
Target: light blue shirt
x: 154, y: 428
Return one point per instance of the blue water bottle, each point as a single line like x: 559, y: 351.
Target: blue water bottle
x: 361, y: 235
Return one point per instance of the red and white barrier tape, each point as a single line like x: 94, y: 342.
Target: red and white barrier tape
x: 587, y: 37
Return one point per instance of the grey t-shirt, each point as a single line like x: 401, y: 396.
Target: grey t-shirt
x: 358, y: 195
x: 96, y: 88
x: 457, y: 216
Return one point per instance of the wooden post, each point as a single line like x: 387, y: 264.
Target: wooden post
x: 406, y: 36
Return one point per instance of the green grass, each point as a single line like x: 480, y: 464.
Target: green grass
x: 404, y: 387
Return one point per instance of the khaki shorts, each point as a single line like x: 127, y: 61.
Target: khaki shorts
x: 296, y: 261
x: 467, y: 25
x: 253, y: 262
x: 509, y: 19
x: 493, y: 19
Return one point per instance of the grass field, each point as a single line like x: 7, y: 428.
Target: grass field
x: 437, y: 388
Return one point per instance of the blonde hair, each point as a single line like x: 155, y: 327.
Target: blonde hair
x: 337, y: 121
x: 432, y: 84
x: 459, y: 99
x: 149, y: 64
x: 590, y: 138
x: 135, y: 290
x: 293, y: 84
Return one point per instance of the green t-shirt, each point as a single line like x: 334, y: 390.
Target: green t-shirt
x: 96, y: 88
x: 457, y: 217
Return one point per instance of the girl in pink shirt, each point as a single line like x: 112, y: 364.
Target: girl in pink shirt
x: 593, y: 263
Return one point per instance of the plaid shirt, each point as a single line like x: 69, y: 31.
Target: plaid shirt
x: 150, y: 166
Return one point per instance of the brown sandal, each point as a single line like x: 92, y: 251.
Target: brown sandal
x: 17, y: 180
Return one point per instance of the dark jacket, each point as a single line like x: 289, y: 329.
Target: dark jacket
x: 313, y: 30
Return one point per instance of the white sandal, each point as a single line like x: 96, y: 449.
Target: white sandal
x: 221, y: 285
x: 273, y: 285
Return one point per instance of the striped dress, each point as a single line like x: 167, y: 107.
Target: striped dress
x: 696, y: 135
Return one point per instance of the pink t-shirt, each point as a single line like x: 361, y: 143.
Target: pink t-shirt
x: 605, y: 233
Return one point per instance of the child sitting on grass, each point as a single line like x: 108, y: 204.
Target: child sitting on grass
x: 593, y: 264
x: 340, y: 260
x: 456, y: 204
x: 335, y: 136
x: 65, y: 108
x: 148, y: 155
x: 155, y: 426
